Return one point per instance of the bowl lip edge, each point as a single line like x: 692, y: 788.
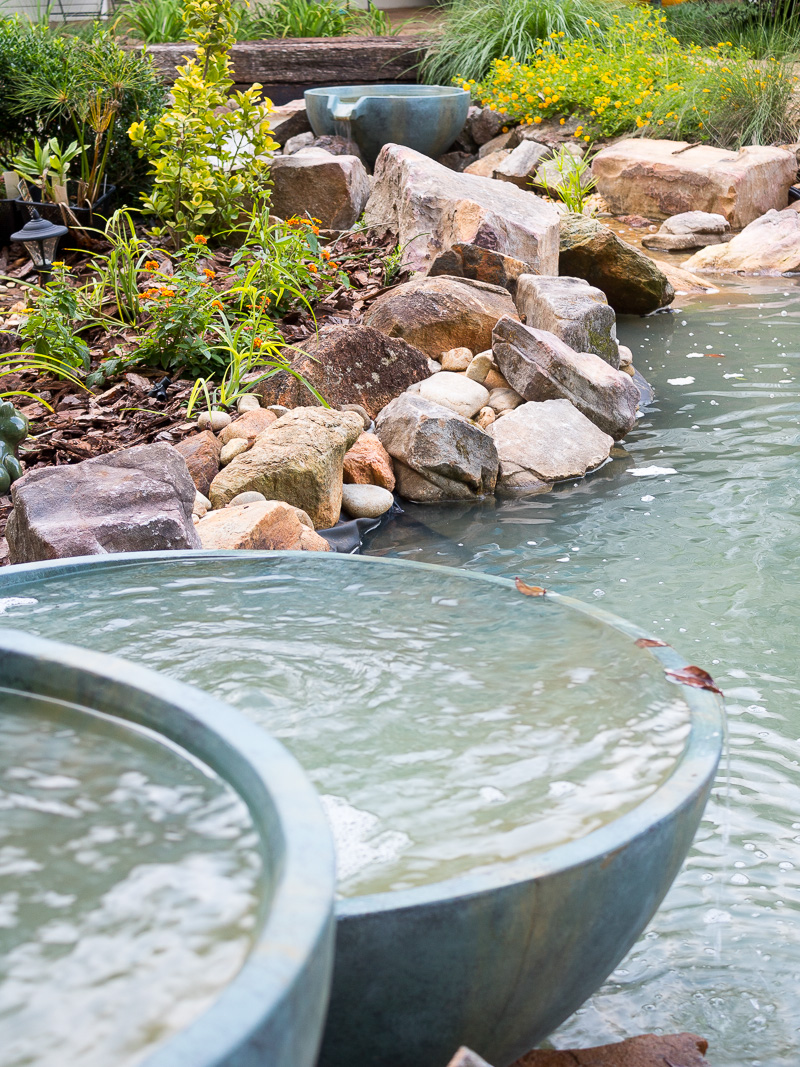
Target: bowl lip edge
x: 691, y: 775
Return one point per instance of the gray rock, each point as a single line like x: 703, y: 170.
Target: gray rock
x: 545, y: 442
x: 294, y: 144
x: 770, y: 245
x: 366, y: 501
x: 696, y: 222
x: 136, y: 500
x: 541, y: 367
x: 290, y: 121
x: 573, y: 310
x: 682, y: 242
x: 483, y: 124
x: 456, y: 391
x: 497, y: 144
x: 299, y: 460
x: 502, y: 400
x: 480, y: 265
x: 431, y: 209
x: 438, y: 454
x: 333, y: 189
x: 523, y: 163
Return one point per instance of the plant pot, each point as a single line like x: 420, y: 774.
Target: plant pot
x: 95, y: 216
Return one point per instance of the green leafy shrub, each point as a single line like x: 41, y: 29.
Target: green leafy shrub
x: 636, y: 76
x: 49, y: 330
x: 70, y: 88
x: 477, y: 32
x: 766, y: 29
x: 204, y: 150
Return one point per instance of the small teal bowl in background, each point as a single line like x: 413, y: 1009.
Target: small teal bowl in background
x: 427, y: 118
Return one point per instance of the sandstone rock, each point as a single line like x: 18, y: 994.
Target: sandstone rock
x: 501, y: 400
x: 573, y: 310
x: 682, y: 242
x: 456, y: 359
x: 362, y: 411
x: 201, y: 453
x: 201, y: 505
x: 333, y: 189
x: 347, y: 365
x: 289, y: 120
x: 480, y: 265
x: 483, y: 124
x: 655, y: 178
x: 435, y: 208
x: 366, y: 501
x: 704, y: 222
x: 213, y: 420
x: 485, y: 166
x: 247, y: 498
x: 486, y: 417
x: 301, y: 140
x: 248, y: 426
x: 495, y: 380
x: 524, y: 161
x: 465, y: 1057
x: 298, y: 460
x: 368, y: 463
x: 233, y: 449
x: 480, y: 366
x: 647, y: 1050
x: 455, y: 391
x: 541, y: 367
x: 438, y: 455
x: 248, y: 402
x: 770, y: 245
x: 278, y: 409
x: 625, y: 358
x: 546, y: 442
x: 139, y: 499
x: 631, y: 281
x: 266, y: 525
x: 439, y: 314
x: 497, y: 144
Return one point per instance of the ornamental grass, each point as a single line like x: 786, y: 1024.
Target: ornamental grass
x: 634, y: 76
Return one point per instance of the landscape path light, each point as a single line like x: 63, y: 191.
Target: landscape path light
x: 41, y: 238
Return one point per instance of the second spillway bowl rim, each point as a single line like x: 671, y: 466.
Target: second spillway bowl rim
x: 691, y: 774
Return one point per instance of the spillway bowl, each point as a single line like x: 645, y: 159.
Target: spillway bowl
x: 166, y: 874
x: 512, y: 781
x: 427, y: 118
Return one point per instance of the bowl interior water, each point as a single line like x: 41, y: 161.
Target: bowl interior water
x: 129, y: 886
x: 449, y: 723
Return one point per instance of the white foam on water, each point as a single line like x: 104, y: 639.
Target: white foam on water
x: 650, y: 472
x: 681, y: 381
x: 360, y: 843
x: 8, y: 602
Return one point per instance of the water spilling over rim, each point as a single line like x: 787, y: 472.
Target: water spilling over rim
x: 294, y: 924
x: 691, y: 774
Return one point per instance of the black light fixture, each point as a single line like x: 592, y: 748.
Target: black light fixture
x: 40, y: 238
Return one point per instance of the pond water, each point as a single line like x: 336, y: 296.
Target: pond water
x: 450, y: 724
x: 128, y: 887
x: 692, y: 532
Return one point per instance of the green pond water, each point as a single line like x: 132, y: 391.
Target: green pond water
x: 449, y: 724
x: 128, y: 887
x: 708, y: 558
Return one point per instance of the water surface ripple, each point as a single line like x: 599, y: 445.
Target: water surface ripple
x: 706, y: 557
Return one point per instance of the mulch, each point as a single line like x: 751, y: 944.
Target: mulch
x: 140, y: 407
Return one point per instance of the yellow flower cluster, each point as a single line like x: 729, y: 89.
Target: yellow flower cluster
x: 632, y: 76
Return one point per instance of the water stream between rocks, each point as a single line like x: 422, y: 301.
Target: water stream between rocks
x: 691, y: 530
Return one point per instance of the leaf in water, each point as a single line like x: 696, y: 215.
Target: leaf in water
x: 529, y: 590
x: 695, y: 677
x: 715, y: 355
x: 650, y: 642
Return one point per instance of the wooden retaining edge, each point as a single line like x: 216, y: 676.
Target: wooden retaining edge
x: 308, y: 60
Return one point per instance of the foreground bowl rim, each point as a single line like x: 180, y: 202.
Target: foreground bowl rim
x: 692, y: 770
x: 420, y: 92
x: 272, y: 783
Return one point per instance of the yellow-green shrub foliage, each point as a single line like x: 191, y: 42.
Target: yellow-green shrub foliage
x: 204, y: 149
x: 635, y: 76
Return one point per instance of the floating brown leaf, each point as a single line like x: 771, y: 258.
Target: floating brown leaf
x: 650, y: 642
x: 715, y: 355
x: 529, y: 590
x: 695, y: 677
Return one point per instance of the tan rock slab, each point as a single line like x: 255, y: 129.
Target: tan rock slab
x: 486, y: 166
x: 201, y: 452
x: 249, y: 424
x: 264, y: 526
x: 368, y: 463
x: 659, y: 178
x: 770, y: 245
x: 233, y: 449
x: 333, y: 189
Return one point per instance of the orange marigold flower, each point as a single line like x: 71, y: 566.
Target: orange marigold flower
x: 209, y: 273
x: 333, y: 266
x: 151, y: 265
x: 315, y: 229
x: 167, y: 293
x: 257, y: 342
x: 312, y: 267
x: 200, y: 240
x: 216, y: 304
x: 326, y: 255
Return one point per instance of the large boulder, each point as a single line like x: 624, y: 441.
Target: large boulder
x: 431, y: 208
x: 541, y: 443
x: 137, y: 500
x: 299, y: 460
x: 539, y: 366
x: 770, y: 245
x: 479, y: 265
x: 269, y: 525
x: 437, y: 314
x: 632, y: 282
x: 348, y: 365
x: 201, y: 453
x: 333, y: 189
x: 644, y: 176
x: 573, y: 310
x: 438, y: 454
